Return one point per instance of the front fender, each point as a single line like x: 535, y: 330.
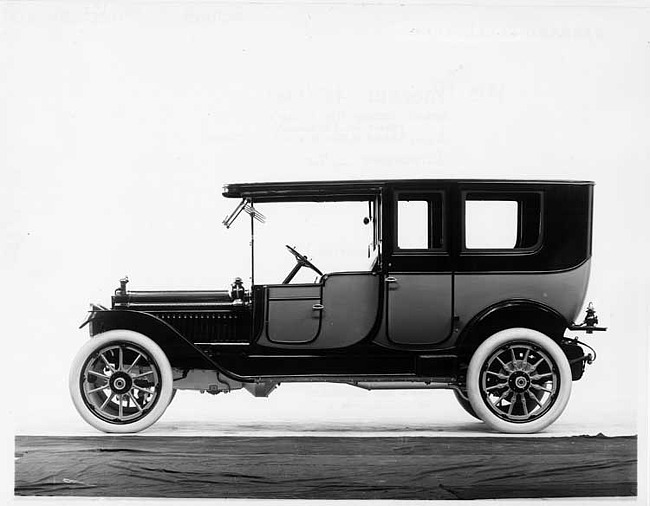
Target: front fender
x: 181, y: 352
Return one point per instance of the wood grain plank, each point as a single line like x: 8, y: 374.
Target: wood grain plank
x: 326, y: 467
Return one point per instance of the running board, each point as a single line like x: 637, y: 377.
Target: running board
x: 400, y: 385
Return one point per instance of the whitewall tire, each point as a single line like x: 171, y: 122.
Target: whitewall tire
x: 519, y: 381
x: 121, y: 381
x: 464, y: 403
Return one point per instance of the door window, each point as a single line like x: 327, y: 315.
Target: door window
x: 419, y: 222
x: 412, y: 224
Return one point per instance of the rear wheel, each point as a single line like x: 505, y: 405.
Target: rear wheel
x: 121, y: 381
x: 519, y: 381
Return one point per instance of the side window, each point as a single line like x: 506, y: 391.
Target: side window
x: 491, y: 224
x: 412, y: 224
x: 502, y: 221
x: 419, y: 221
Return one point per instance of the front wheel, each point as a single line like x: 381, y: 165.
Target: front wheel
x: 519, y: 381
x: 464, y: 403
x: 121, y: 381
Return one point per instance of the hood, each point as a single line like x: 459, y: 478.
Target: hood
x: 172, y: 298
x: 175, y: 299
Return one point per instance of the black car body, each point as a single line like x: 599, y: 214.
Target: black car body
x: 485, y: 317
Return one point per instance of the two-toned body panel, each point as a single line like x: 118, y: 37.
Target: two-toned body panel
x: 339, y: 311
x: 562, y: 291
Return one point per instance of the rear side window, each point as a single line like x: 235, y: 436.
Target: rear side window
x: 502, y: 221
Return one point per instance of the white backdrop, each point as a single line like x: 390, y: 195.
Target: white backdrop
x: 123, y: 121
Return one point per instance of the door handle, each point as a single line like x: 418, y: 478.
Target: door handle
x: 391, y: 279
x: 318, y: 307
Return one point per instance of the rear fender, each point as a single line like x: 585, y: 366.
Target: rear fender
x: 181, y: 352
x: 507, y: 314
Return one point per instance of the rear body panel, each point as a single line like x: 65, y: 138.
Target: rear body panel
x: 564, y: 291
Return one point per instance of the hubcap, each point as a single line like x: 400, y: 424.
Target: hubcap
x: 120, y: 383
x: 519, y: 382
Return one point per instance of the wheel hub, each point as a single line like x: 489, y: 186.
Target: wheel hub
x: 519, y: 381
x: 120, y: 383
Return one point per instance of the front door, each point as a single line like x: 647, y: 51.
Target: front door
x: 418, y: 286
x: 338, y: 312
x: 293, y: 313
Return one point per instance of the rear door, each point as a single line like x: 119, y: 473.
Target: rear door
x: 418, y: 289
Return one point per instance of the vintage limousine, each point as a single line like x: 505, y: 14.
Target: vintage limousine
x: 472, y: 286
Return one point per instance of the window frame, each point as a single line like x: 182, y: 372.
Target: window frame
x: 502, y: 195
x: 426, y: 196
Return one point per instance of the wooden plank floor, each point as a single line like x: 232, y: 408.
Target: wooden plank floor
x: 326, y: 467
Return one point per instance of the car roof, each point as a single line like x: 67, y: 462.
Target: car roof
x: 359, y: 190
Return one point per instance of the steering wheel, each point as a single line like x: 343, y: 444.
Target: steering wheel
x: 301, y: 261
